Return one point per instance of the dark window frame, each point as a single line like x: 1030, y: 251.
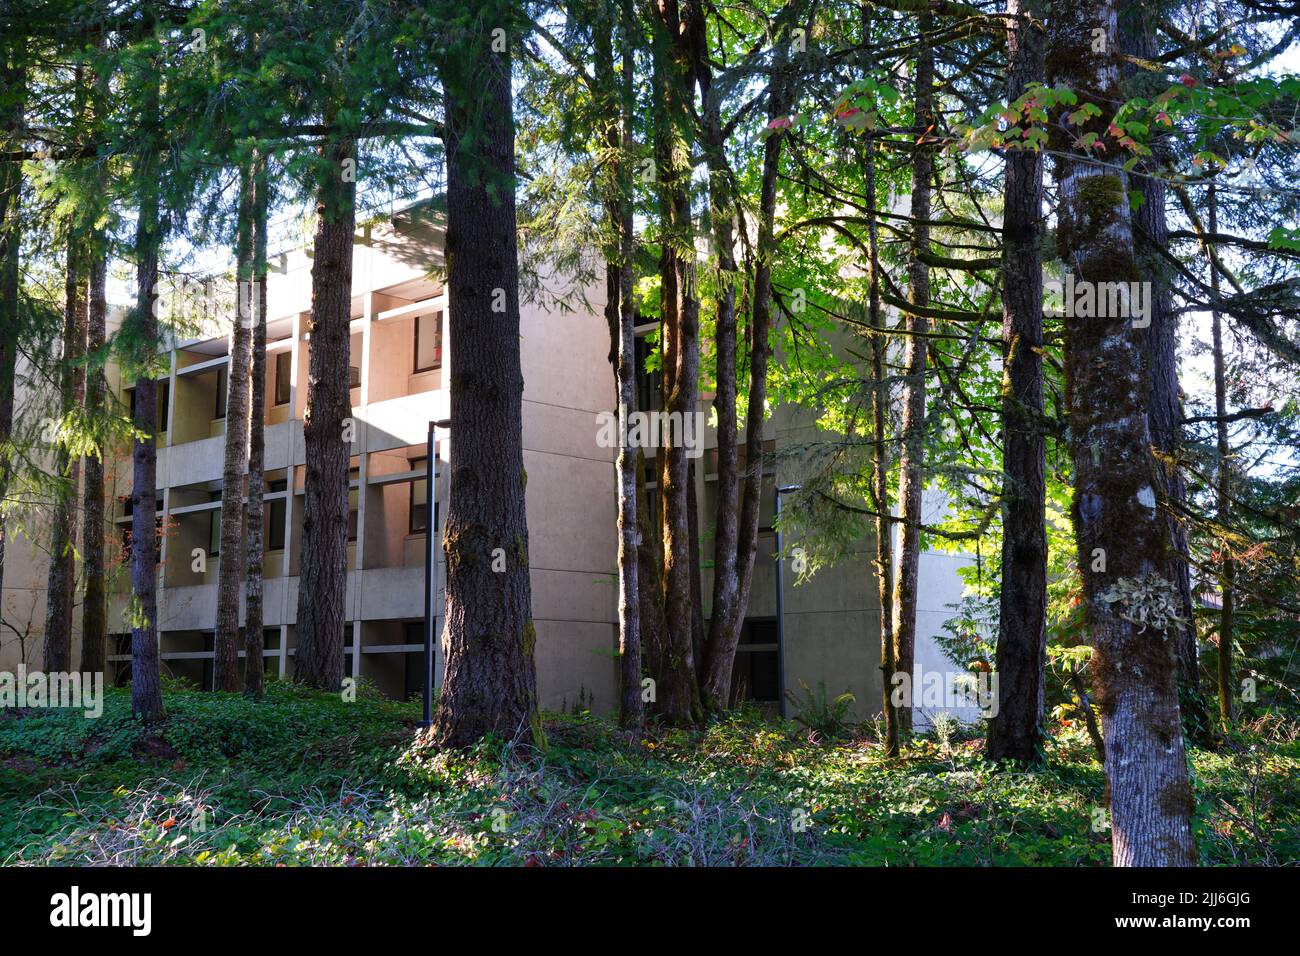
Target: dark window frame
x: 276, y: 528
x: 417, y: 464
x: 219, y: 406
x: 415, y: 355
x: 287, y: 354
x: 354, y: 474
x: 214, y: 527
x: 164, y: 403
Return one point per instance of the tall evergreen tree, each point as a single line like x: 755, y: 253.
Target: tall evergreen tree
x: 1115, y: 514
x: 912, y: 459
x: 235, y: 461
x: 1015, y: 732
x: 490, y: 683
x: 327, y: 425
x: 254, y: 665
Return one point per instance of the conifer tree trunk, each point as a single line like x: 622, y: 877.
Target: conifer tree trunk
x: 715, y: 681
x: 146, y: 686
x: 723, y: 644
x: 62, y: 576
x: 230, y: 571
x: 912, y: 461
x: 1015, y: 732
x: 1223, y: 495
x: 674, y: 29
x: 94, y: 609
x: 13, y: 78
x: 322, y: 585
x: 490, y: 683
x: 254, y: 665
x: 880, y: 406
x: 621, y: 315
x: 1115, y: 513
x: 650, y: 585
x: 1150, y: 240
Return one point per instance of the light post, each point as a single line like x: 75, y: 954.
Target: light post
x: 780, y: 602
x: 430, y: 565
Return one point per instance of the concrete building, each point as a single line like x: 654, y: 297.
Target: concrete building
x: 399, y: 341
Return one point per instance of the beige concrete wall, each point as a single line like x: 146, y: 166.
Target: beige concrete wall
x: 832, y: 630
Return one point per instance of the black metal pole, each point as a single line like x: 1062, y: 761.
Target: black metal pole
x: 780, y: 602
x: 430, y: 572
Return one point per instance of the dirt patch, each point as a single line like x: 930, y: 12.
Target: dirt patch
x: 154, y: 748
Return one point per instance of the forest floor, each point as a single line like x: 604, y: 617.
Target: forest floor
x: 309, y: 779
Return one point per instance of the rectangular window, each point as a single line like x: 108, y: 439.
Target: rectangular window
x: 648, y: 384
x: 157, y: 537
x: 219, y: 411
x: 755, y: 675
x: 164, y: 392
x: 415, y: 666
x: 283, y: 376
x: 354, y: 376
x: 353, y: 500
x: 214, y: 526
x: 276, y: 514
x: 419, y: 510
x: 428, y: 341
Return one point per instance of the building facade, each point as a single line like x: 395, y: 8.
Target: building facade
x: 398, y: 346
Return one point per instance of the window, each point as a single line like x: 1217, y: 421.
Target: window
x: 219, y: 411
x: 214, y: 526
x: 419, y: 510
x: 283, y: 376
x: 648, y: 384
x: 756, y: 676
x: 128, y: 506
x: 164, y: 392
x: 157, y: 537
x: 428, y: 341
x: 276, y: 515
x: 414, y: 676
x: 354, y: 376
x: 120, y: 670
x: 353, y: 498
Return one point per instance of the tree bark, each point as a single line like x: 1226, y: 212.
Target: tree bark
x: 1151, y: 239
x: 722, y: 648
x: 226, y: 656
x: 490, y: 684
x: 620, y: 310
x: 1223, y: 495
x: 14, y: 78
x: 146, y: 686
x: 674, y: 31
x: 880, y: 405
x: 1015, y: 732
x: 715, y: 681
x: 912, y: 460
x: 327, y: 428
x: 62, y: 576
x: 254, y: 665
x: 650, y: 588
x: 94, y: 609
x: 1115, y: 513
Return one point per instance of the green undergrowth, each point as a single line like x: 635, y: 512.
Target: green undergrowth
x: 309, y: 779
